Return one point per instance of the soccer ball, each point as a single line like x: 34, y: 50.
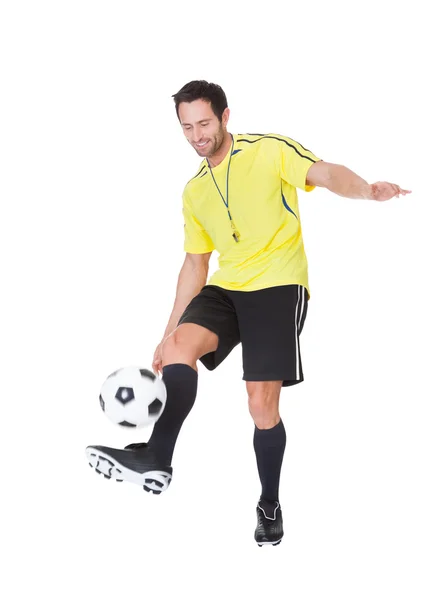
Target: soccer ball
x: 133, y: 397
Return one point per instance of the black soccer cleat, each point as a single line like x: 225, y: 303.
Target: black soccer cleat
x: 269, y: 530
x: 136, y: 463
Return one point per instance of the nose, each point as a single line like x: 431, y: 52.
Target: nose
x: 197, y: 135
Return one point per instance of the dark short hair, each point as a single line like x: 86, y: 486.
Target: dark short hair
x: 202, y: 90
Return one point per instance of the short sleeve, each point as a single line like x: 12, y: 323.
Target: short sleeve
x: 294, y: 161
x: 196, y: 239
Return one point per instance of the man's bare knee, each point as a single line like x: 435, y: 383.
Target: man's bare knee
x: 188, y: 343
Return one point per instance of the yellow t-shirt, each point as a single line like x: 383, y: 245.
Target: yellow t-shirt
x: 264, y: 172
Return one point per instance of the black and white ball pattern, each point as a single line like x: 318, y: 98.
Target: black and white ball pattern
x: 133, y: 397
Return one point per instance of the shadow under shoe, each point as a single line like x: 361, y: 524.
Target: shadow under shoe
x: 269, y: 530
x: 136, y: 463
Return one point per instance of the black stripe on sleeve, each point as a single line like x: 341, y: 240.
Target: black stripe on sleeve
x: 272, y: 137
x: 291, y: 140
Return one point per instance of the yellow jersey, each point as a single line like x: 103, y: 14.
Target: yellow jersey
x: 246, y: 208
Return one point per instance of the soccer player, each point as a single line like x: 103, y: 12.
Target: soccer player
x: 243, y: 203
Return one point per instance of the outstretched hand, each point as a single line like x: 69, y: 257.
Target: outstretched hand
x: 382, y: 190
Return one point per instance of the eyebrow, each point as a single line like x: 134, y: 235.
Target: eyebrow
x: 201, y: 121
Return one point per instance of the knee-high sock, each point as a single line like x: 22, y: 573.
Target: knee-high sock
x: 269, y: 446
x: 181, y: 383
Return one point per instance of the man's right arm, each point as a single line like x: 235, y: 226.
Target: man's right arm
x: 191, y: 279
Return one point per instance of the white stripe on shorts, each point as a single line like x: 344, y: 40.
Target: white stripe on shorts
x: 299, y: 310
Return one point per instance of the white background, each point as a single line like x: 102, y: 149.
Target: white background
x: 93, y: 164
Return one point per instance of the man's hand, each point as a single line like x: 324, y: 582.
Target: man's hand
x: 157, y: 366
x: 382, y: 190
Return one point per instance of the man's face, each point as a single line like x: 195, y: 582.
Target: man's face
x: 201, y: 127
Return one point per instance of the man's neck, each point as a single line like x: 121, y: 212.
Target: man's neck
x: 219, y: 156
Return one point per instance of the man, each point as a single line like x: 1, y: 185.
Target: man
x: 242, y: 202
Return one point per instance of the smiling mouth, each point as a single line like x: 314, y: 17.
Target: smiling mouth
x: 201, y: 145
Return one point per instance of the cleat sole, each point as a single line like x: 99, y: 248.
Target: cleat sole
x: 260, y: 544
x: 155, y: 481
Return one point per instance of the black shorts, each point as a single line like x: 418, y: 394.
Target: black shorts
x: 267, y: 322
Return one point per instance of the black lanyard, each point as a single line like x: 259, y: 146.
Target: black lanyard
x: 236, y: 234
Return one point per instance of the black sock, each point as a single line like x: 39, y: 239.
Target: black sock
x: 181, y: 384
x: 269, y: 446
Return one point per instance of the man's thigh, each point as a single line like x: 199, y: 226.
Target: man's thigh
x: 270, y: 323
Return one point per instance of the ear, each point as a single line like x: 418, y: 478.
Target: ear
x: 225, y: 117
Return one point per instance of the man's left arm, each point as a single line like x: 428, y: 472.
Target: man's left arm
x: 342, y: 181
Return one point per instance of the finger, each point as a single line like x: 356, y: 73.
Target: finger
x: 402, y: 191
x: 395, y: 189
